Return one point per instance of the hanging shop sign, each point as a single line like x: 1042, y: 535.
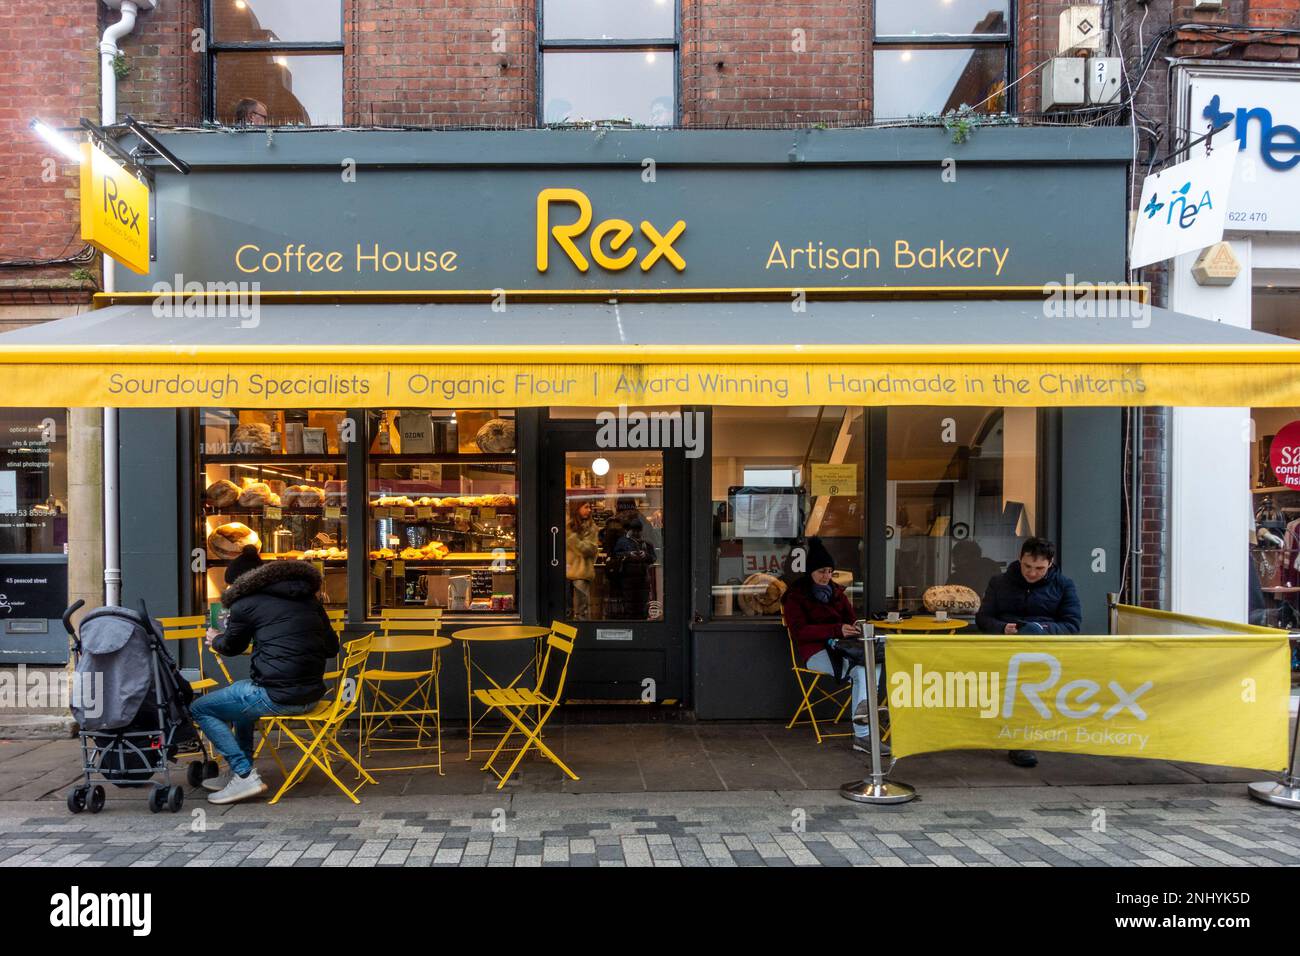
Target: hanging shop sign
x: 564, y: 229
x: 1260, y: 110
x: 1120, y: 697
x: 114, y: 209
x: 1184, y: 207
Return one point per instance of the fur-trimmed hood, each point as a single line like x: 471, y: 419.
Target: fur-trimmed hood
x: 290, y: 579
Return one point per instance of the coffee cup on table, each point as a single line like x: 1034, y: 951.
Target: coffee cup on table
x: 893, y: 617
x: 941, y: 615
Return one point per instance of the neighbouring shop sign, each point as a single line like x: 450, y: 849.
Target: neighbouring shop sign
x: 582, y: 228
x: 1284, y: 455
x: 32, y: 590
x: 1184, y: 207
x: 114, y: 209
x: 1261, y: 112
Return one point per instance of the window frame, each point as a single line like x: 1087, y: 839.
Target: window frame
x: 671, y: 44
x: 216, y: 47
x: 933, y: 41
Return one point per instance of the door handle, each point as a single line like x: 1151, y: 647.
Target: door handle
x: 555, y: 556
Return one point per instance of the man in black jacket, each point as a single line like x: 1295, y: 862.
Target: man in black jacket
x: 1032, y: 596
x: 274, y: 607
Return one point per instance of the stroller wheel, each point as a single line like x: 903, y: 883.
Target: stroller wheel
x: 211, y: 769
x: 157, y: 799
x: 96, y: 801
x: 175, y: 799
x: 194, y: 773
x: 76, y: 799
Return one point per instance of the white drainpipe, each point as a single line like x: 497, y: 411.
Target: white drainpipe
x: 108, y: 116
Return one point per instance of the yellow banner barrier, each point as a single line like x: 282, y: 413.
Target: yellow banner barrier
x: 123, y: 377
x: 1204, y: 699
x: 1144, y: 620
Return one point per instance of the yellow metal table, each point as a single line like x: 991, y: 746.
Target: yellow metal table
x: 493, y: 634
x: 924, y: 624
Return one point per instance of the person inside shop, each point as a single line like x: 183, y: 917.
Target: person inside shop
x: 823, y: 624
x: 251, y: 112
x: 634, y: 559
x: 580, y: 547
x: 273, y: 606
x: 1031, y: 596
x: 970, y: 568
x: 610, y: 536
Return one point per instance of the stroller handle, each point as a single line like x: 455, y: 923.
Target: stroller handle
x: 67, y: 617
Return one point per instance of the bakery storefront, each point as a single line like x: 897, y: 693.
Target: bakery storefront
x: 614, y: 377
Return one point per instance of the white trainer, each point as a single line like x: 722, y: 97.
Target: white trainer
x: 217, y: 783
x: 240, y: 788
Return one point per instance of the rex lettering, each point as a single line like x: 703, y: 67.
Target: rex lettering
x: 608, y: 242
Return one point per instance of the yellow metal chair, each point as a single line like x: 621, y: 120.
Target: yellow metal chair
x: 809, y: 683
x: 420, y: 708
x: 317, y: 730
x: 514, y: 703
x: 195, y: 628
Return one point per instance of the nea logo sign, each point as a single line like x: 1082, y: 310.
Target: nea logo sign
x: 608, y: 242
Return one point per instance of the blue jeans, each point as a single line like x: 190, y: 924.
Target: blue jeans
x: 821, y: 662
x: 241, y: 705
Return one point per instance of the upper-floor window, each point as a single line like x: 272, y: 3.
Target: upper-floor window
x: 932, y: 56
x: 609, y: 60
x: 275, y: 62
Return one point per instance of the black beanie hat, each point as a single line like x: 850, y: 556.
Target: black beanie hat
x: 248, y: 560
x: 818, y: 556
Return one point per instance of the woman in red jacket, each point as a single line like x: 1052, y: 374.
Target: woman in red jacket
x: 819, y: 615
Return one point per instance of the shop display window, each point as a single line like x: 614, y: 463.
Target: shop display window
x: 33, y: 481
x: 442, y: 495
x: 961, y: 497
x: 276, y: 480
x: 780, y: 477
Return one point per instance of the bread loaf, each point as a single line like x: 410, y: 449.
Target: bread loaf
x: 228, y: 540
x: 953, y: 598
x: 222, y: 494
x: 496, y: 437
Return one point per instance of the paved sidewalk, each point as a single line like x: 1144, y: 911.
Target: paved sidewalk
x: 1204, y: 825
x: 672, y: 795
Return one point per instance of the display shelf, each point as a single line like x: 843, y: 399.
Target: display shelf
x: 454, y: 556
x: 211, y: 511
x: 270, y: 458
x: 1275, y: 490
x: 449, y: 458
x: 267, y: 558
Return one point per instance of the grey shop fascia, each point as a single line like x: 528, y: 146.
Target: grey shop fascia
x: 716, y: 230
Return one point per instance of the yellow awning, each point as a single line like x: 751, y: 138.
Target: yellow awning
x: 984, y: 352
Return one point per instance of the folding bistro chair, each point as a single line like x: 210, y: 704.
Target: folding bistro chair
x: 195, y: 628
x: 809, y: 683
x: 319, y: 729
x: 514, y: 702
x: 419, y: 709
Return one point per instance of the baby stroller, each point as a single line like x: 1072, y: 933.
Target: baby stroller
x: 139, y: 715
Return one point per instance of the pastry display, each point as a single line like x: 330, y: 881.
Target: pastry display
x: 221, y: 494
x: 303, y: 496
x: 761, y: 594
x: 336, y: 494
x: 252, y: 438
x: 953, y: 598
x: 258, y: 494
x: 497, y: 437
x: 228, y: 540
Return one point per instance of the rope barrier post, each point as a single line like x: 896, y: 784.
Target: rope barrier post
x: 875, y: 788
x: 1287, y: 792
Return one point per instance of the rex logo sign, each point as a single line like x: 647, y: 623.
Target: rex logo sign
x: 608, y: 241
x: 114, y: 209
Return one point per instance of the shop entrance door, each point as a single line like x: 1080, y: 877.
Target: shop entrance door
x: 614, y: 559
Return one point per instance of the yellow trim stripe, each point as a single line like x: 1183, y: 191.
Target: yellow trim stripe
x: 946, y: 354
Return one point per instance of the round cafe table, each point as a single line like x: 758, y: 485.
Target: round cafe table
x: 921, y: 624
x: 494, y: 634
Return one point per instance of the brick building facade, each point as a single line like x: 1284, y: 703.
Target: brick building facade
x: 462, y: 64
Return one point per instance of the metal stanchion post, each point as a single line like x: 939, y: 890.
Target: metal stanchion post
x: 875, y: 788
x: 1284, y: 794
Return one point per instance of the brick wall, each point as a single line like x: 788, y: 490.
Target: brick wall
x: 48, y: 69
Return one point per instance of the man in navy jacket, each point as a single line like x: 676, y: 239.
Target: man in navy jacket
x: 1032, y: 596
